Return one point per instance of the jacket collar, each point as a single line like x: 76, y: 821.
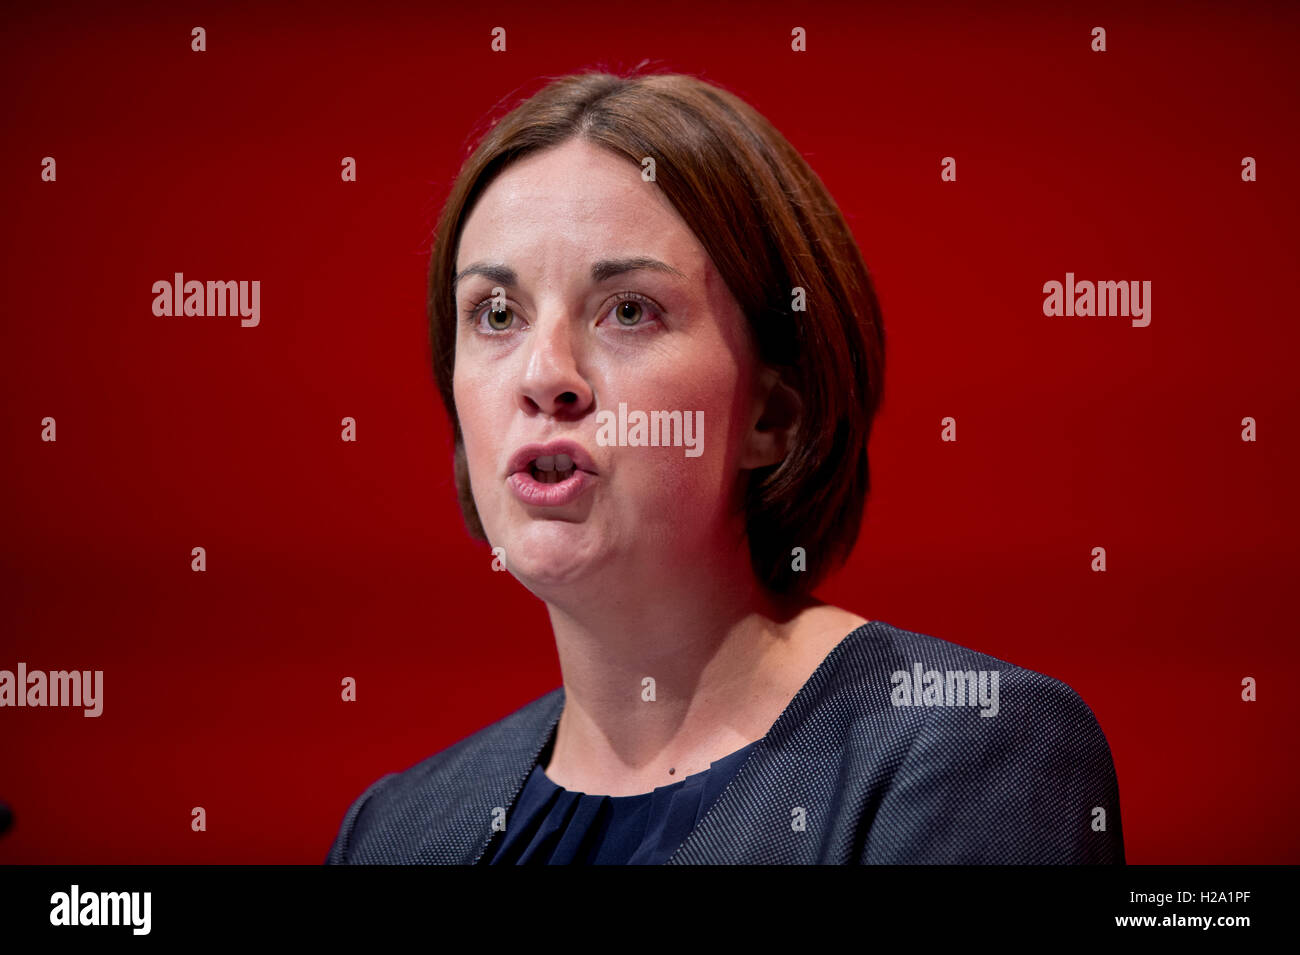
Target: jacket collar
x: 730, y: 816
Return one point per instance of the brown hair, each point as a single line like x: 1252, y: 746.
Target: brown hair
x: 770, y: 226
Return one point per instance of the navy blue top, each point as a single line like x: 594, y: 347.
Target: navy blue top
x: 550, y: 825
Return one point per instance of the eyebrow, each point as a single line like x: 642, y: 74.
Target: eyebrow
x: 600, y: 271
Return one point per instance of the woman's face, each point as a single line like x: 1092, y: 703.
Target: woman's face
x: 561, y: 345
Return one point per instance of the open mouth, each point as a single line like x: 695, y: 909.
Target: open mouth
x: 551, y: 480
x: 552, y: 468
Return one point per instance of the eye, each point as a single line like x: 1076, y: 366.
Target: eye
x: 630, y: 311
x: 500, y: 320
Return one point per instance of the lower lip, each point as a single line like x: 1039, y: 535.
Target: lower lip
x: 532, y: 491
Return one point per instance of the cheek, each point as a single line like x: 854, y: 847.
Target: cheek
x: 475, y: 417
x: 670, y: 483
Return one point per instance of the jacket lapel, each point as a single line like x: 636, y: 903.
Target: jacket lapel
x: 499, y: 771
x: 771, y: 812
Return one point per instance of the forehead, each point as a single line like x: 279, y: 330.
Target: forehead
x: 573, y: 203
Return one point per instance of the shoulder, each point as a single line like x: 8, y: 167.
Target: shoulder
x: 496, y: 743
x: 455, y: 788
x: 991, y: 762
x: 913, y: 671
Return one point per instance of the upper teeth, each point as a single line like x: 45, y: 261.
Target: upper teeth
x: 553, y: 462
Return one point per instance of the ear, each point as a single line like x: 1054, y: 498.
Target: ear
x: 774, y: 422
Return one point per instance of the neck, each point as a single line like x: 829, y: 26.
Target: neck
x: 716, y: 646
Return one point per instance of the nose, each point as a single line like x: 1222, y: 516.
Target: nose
x: 552, y: 383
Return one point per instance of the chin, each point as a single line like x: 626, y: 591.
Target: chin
x: 549, y: 583
x: 549, y: 554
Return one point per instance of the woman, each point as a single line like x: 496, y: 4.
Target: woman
x: 661, y: 353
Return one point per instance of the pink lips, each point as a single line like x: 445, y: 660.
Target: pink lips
x: 531, y: 491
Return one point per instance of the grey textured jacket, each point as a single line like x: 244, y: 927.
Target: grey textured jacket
x: 875, y: 760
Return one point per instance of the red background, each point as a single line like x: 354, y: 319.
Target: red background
x: 326, y: 559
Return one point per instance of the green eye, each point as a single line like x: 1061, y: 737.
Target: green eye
x: 626, y: 318
x: 505, y: 316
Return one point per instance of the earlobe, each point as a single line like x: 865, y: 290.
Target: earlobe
x: 777, y: 422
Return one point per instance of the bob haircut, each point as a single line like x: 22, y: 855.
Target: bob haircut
x: 772, y: 229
